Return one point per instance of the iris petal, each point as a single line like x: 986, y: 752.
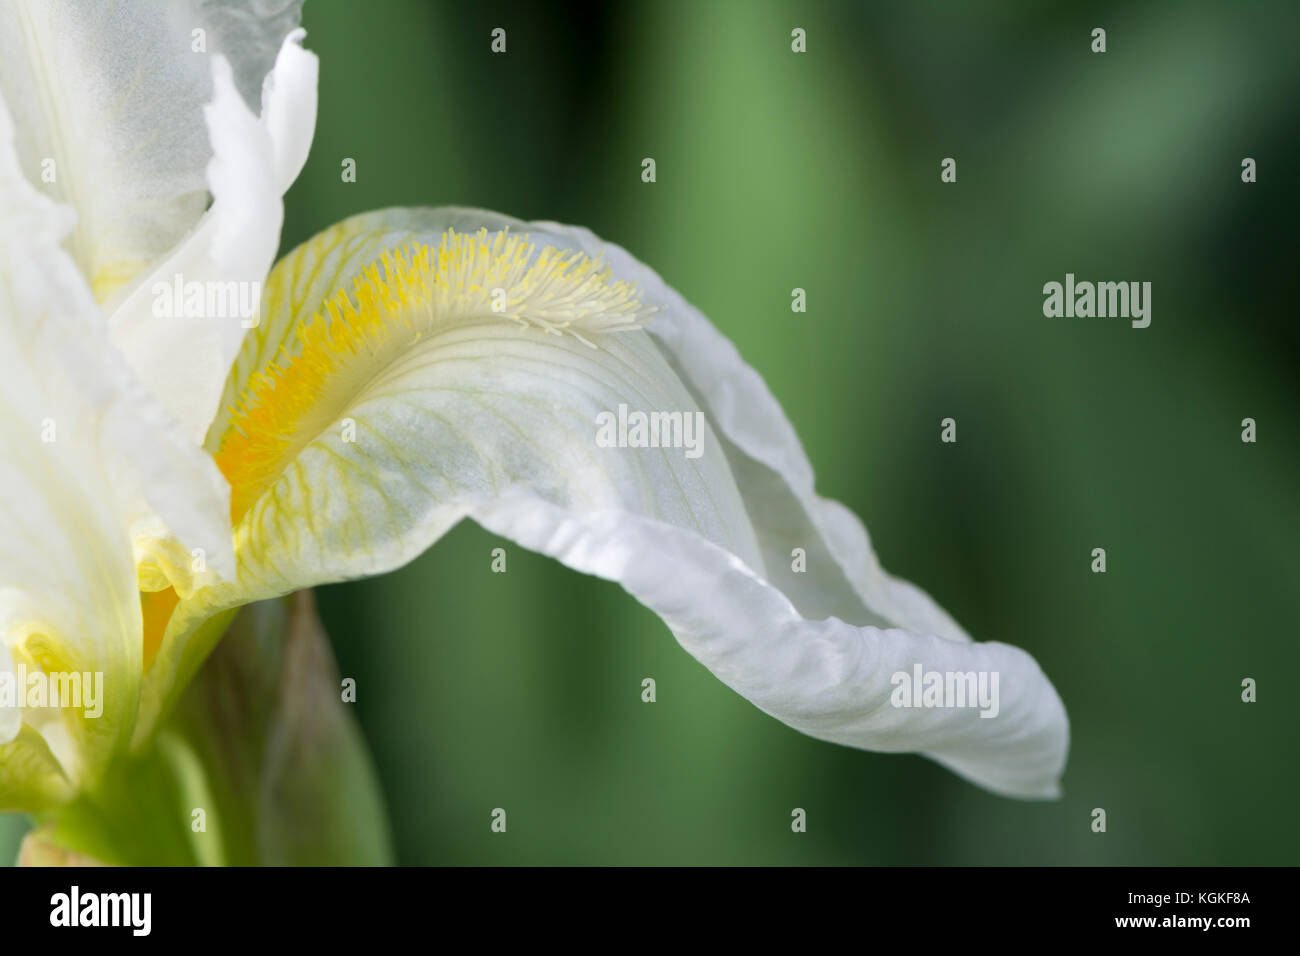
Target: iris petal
x: 89, y: 462
x: 475, y: 416
x: 132, y: 114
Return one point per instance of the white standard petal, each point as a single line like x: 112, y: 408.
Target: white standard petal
x: 419, y: 366
x: 134, y: 114
x: 181, y: 324
x: 107, y: 100
x: 85, y: 455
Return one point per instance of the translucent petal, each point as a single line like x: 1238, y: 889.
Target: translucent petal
x: 132, y: 114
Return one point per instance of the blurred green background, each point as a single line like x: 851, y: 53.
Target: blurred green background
x: 821, y: 170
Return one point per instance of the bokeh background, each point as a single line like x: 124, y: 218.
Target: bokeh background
x: 821, y: 171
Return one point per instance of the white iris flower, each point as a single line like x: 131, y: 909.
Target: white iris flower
x: 410, y: 368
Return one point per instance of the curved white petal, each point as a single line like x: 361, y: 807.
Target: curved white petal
x: 87, y: 460
x: 763, y: 445
x: 829, y: 679
x: 471, y: 415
